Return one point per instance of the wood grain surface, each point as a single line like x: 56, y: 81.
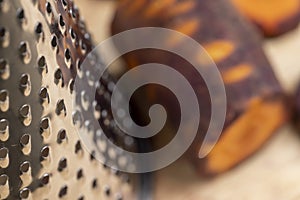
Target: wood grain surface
x: 271, y: 174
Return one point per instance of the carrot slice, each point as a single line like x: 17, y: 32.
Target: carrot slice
x: 274, y: 17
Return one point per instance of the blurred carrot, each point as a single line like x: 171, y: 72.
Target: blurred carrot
x: 256, y: 102
x: 274, y: 17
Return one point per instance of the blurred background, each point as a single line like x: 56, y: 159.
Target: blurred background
x: 272, y: 173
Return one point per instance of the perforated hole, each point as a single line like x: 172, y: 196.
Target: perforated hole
x: 4, y: 100
x: 104, y: 165
x: 78, y: 147
x: 60, y: 107
x: 48, y: 8
x: 25, y: 139
x: 54, y: 41
x: 62, y: 136
x: 23, y: 47
x: 45, y: 123
x: 83, y: 46
x: 25, y: 110
x: 58, y: 74
x: 92, y: 155
x: 45, y: 179
x: 42, y: 61
x: 79, y: 174
x: 72, y: 33
x: 20, y: 13
x: 62, y: 164
x: 3, y: 179
x: 2, y: 32
x: 25, y: 80
x: 94, y: 183
x: 61, y: 21
x: 45, y: 152
x: 58, y: 77
x: 45, y: 127
x: 24, y: 194
x: 73, y: 14
x: 3, y: 95
x: 72, y: 83
x: 3, y: 125
x: 3, y: 153
x: 42, y: 64
x: 107, y: 190
x: 24, y: 168
x: 64, y: 2
x: 115, y: 172
x: 44, y: 95
x: 81, y: 198
x: 78, y: 65
x: 24, y: 51
x: 63, y: 192
x: 67, y: 54
x: 38, y: 28
x: 3, y: 64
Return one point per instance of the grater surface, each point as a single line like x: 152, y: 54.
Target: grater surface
x: 42, y: 44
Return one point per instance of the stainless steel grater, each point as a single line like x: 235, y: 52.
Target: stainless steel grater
x: 42, y: 44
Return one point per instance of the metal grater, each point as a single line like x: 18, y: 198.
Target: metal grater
x: 42, y: 44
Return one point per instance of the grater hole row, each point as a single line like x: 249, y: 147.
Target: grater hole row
x: 61, y: 78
